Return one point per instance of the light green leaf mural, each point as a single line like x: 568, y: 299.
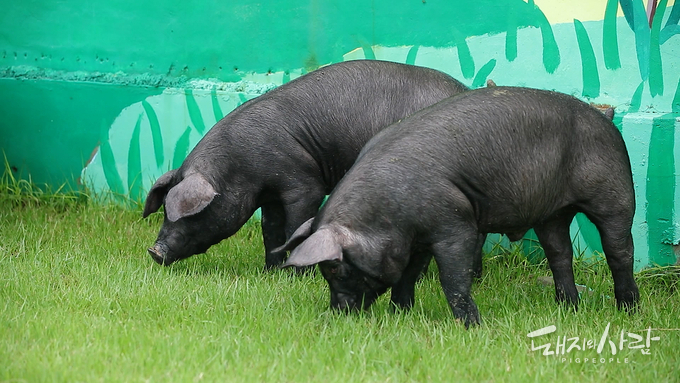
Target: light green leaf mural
x: 655, y: 67
x: 134, y: 162
x: 483, y: 74
x: 181, y: 149
x: 217, y: 111
x: 551, y: 52
x: 636, y: 100
x: 591, y: 78
x: 194, y: 112
x: 467, y: 63
x: 411, y: 56
x: 610, y: 41
x: 113, y: 180
x: 155, y: 132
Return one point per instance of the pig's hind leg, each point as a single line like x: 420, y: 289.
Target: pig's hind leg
x: 614, y: 225
x: 553, y: 234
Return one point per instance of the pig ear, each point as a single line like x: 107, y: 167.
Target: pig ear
x: 609, y: 113
x: 319, y: 247
x: 300, y: 234
x: 154, y: 199
x: 189, y: 197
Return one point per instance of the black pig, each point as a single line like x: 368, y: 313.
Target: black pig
x: 493, y: 160
x: 284, y: 152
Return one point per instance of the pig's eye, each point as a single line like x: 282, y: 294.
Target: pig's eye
x: 334, y: 270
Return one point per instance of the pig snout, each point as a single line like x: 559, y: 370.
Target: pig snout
x: 344, y: 302
x: 352, y: 302
x: 159, y: 252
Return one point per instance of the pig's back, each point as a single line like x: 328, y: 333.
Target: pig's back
x: 516, y: 154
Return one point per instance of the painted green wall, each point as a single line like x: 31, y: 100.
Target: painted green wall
x: 222, y: 39
x: 112, y: 94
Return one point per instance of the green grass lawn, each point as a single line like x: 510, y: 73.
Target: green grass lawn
x: 81, y: 300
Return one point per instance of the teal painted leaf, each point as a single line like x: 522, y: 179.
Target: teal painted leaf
x: 411, y: 56
x: 467, y: 64
x: 628, y: 13
x: 217, y: 111
x: 194, y: 112
x: 642, y: 38
x: 610, y: 42
x: 636, y: 100
x: 655, y: 66
x: 589, y: 233
x: 660, y: 195
x: 532, y: 247
x: 113, y: 179
x: 551, y: 52
x: 242, y: 99
x: 674, y: 17
x: 511, y: 35
x: 675, y: 106
x: 181, y: 149
x: 590, y: 75
x: 369, y: 54
x: 156, y: 135
x: 511, y: 41
x: 483, y: 74
x: 668, y: 32
x: 134, y: 174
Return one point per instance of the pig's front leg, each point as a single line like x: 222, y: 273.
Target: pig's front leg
x: 403, y: 292
x: 455, y: 255
x: 273, y: 233
x: 281, y: 219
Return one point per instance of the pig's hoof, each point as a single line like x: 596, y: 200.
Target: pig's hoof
x: 567, y: 296
x: 466, y: 310
x: 628, y: 301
